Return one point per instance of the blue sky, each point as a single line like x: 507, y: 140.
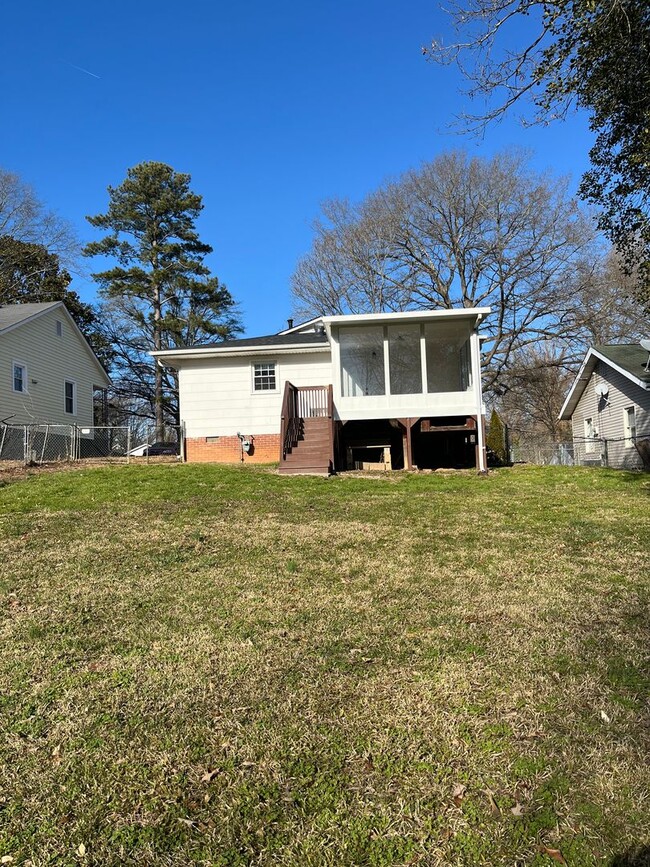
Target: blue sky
x: 271, y: 107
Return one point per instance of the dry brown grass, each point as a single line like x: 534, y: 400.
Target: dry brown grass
x: 223, y: 667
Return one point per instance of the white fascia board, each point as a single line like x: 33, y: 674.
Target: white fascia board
x: 176, y: 356
x: 57, y: 305
x: 584, y: 375
x: 644, y: 385
x: 477, y: 313
x: 88, y: 347
x: 53, y: 305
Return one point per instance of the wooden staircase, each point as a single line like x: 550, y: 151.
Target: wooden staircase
x: 307, y: 430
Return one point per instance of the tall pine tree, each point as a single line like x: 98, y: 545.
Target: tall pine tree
x: 159, y: 284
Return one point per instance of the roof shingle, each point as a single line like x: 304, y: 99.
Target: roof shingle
x: 630, y: 357
x: 14, y: 314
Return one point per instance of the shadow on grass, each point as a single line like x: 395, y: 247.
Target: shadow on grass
x: 637, y: 857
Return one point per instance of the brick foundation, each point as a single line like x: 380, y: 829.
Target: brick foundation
x: 227, y: 450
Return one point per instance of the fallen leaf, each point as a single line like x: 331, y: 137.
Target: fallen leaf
x: 209, y: 776
x: 604, y: 717
x: 517, y: 810
x: 555, y: 854
x: 6, y: 859
x: 248, y: 764
x: 81, y: 850
x: 494, y: 807
x: 458, y: 793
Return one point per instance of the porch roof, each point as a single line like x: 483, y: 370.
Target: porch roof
x: 477, y: 314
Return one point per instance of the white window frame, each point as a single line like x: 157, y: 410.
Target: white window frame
x: 74, y: 397
x: 590, y: 435
x: 276, y: 368
x: 24, y: 389
x: 629, y: 430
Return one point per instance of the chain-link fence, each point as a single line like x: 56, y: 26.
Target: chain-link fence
x: 621, y: 453
x: 45, y: 443
x: 624, y: 453
x: 544, y: 454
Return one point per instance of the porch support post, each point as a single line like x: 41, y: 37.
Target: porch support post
x: 407, y: 424
x: 479, y: 448
x: 481, y: 455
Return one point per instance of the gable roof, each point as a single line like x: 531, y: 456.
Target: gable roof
x: 629, y: 359
x: 16, y: 315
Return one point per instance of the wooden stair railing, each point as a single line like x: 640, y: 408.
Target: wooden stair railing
x: 301, y: 406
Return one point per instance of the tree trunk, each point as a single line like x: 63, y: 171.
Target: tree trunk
x: 157, y: 345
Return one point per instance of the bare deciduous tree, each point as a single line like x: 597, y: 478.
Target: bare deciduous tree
x: 24, y: 218
x: 533, y: 392
x: 459, y: 232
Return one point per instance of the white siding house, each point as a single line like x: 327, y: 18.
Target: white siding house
x: 609, y: 406
x: 48, y: 372
x: 404, y: 383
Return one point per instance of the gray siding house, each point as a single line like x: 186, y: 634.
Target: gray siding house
x: 48, y: 372
x: 609, y: 406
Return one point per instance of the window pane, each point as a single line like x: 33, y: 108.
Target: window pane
x: 19, y: 378
x: 69, y: 397
x: 362, y: 361
x: 264, y: 377
x: 404, y: 359
x: 630, y: 425
x: 448, y: 358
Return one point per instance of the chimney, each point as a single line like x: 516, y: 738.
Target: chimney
x: 289, y: 323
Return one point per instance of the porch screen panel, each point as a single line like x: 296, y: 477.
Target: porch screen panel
x: 448, y: 359
x: 404, y: 361
x: 362, y: 361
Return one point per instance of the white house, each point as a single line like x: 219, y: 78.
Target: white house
x: 395, y: 389
x: 49, y: 373
x: 609, y: 405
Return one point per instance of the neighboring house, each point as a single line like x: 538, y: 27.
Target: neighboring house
x: 609, y: 405
x: 389, y: 389
x: 49, y: 373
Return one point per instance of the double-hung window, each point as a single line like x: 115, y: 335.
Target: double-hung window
x: 70, y: 397
x: 19, y: 377
x: 629, y: 425
x: 590, y: 435
x: 264, y: 378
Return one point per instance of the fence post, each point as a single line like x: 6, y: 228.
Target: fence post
x: 181, y: 444
x: 128, y: 445
x: 47, y: 430
x: 605, y: 453
x: 25, y: 444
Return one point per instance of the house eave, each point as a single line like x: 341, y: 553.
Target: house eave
x: 176, y: 356
x: 584, y: 375
x: 476, y: 313
x: 60, y: 305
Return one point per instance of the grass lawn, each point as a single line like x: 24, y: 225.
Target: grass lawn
x: 221, y: 666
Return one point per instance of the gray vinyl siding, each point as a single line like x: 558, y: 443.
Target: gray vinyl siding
x: 50, y: 361
x: 608, y: 415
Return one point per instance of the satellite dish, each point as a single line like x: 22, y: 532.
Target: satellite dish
x: 645, y: 344
x: 602, y: 389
